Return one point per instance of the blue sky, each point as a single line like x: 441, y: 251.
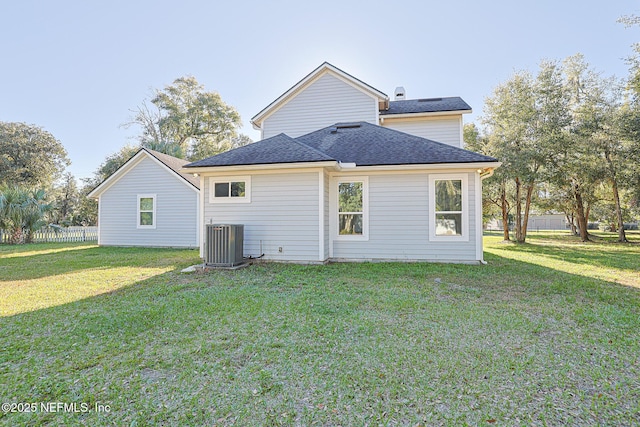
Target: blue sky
x: 77, y: 68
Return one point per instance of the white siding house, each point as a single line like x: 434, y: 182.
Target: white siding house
x: 344, y: 174
x: 326, y: 96
x: 282, y: 218
x: 147, y: 202
x: 446, y: 129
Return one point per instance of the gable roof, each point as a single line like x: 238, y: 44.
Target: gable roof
x: 361, y: 143
x: 325, y: 67
x: 172, y: 164
x: 426, y: 105
x: 175, y: 164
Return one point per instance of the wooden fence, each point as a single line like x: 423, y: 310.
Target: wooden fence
x: 69, y: 234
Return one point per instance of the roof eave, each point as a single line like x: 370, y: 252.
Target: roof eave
x: 261, y: 166
x: 423, y: 114
x: 478, y: 166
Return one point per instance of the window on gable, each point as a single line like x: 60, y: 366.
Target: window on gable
x: 229, y: 190
x: 146, y: 211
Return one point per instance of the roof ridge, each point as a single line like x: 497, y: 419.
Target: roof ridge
x: 313, y: 149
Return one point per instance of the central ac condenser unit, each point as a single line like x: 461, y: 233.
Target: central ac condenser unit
x: 224, y: 245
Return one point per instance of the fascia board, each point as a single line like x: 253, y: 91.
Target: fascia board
x: 271, y: 166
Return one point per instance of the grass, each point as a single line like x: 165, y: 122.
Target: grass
x: 548, y: 333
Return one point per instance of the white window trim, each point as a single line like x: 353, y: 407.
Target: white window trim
x: 218, y: 179
x: 365, y: 208
x: 464, y: 178
x: 155, y: 218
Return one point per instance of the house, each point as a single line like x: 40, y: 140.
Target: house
x: 537, y: 222
x: 344, y: 174
x: 148, y: 201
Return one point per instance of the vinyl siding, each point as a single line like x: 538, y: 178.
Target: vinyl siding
x: 283, y: 213
x: 176, y: 209
x: 445, y: 129
x: 326, y: 101
x: 399, y: 223
x: 326, y: 216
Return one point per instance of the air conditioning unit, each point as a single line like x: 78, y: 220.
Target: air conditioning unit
x: 224, y: 245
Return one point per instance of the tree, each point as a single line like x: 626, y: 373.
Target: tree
x: 494, y: 188
x: 22, y: 211
x: 601, y: 153
x: 186, y: 121
x: 113, y: 162
x: 508, y: 116
x: 67, y: 199
x: 29, y: 155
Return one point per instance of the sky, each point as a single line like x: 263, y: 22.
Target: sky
x: 78, y: 68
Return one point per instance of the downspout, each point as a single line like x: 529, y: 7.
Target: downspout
x: 484, y: 174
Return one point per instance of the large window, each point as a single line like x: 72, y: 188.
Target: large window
x: 146, y: 211
x: 448, y: 216
x: 230, y: 190
x: 352, y: 215
x: 350, y: 208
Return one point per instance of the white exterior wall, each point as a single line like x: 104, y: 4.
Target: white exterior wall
x: 326, y: 101
x: 445, y: 129
x: 399, y: 223
x: 283, y: 213
x: 176, y: 209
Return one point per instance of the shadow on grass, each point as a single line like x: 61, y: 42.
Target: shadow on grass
x: 568, y: 248
x: 230, y: 337
x: 18, y: 263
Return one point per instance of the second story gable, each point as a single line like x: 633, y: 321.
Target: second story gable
x: 329, y: 95
x: 325, y: 96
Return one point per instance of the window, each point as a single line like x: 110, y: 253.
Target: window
x: 350, y: 208
x: 448, y: 209
x: 352, y: 215
x: 230, y: 190
x: 448, y: 195
x: 146, y: 211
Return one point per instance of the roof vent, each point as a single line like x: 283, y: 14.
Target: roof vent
x: 429, y: 99
x: 347, y: 126
x: 400, y: 94
x: 333, y: 129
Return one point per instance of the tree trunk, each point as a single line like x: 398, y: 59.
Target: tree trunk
x: 572, y: 223
x: 582, y: 220
x: 16, y: 236
x: 505, y: 212
x: 527, y: 207
x: 519, y: 237
x: 622, y: 237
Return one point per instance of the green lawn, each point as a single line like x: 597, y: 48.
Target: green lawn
x: 548, y: 333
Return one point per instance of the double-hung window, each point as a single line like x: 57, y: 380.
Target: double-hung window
x: 146, y: 211
x: 448, y: 215
x: 230, y: 190
x: 352, y: 215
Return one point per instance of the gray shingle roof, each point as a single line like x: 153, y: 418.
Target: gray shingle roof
x: 427, y: 105
x: 277, y: 149
x: 361, y: 143
x: 369, y: 145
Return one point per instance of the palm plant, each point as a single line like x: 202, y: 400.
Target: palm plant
x: 22, y: 211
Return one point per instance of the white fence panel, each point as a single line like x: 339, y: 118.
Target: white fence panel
x: 69, y: 234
